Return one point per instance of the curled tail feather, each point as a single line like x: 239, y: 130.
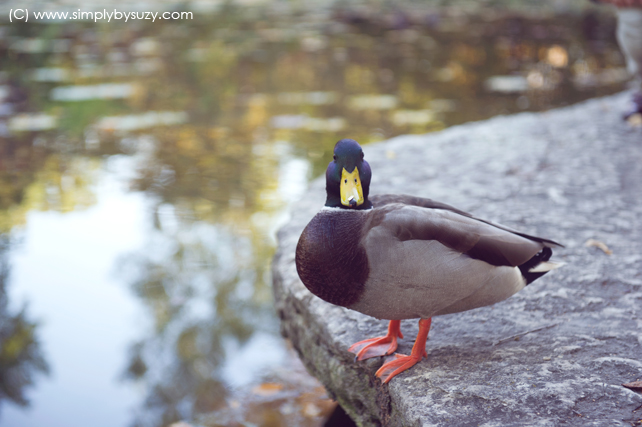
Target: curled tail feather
x: 539, y: 265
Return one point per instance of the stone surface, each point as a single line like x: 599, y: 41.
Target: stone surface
x: 572, y: 175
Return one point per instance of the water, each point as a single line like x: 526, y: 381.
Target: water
x: 144, y: 170
x: 62, y: 266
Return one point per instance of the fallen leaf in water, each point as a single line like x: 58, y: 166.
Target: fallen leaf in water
x: 598, y: 244
x: 635, y: 386
x: 267, y: 389
x: 311, y: 410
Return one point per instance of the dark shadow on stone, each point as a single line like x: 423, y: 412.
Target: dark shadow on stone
x: 339, y: 418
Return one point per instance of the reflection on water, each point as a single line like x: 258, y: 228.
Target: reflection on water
x: 21, y: 358
x: 220, y: 122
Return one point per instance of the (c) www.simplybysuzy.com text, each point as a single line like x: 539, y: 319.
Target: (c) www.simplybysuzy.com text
x: 104, y: 15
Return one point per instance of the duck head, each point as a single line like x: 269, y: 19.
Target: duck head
x: 347, y: 179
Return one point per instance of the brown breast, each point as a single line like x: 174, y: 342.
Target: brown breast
x: 330, y: 259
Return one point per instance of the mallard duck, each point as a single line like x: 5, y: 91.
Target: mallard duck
x: 400, y: 257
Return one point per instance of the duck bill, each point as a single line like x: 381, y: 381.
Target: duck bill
x: 351, y: 191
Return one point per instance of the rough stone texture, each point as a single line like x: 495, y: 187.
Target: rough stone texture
x: 571, y: 174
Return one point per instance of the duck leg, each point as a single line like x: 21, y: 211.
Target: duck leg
x: 401, y: 362
x: 380, y: 346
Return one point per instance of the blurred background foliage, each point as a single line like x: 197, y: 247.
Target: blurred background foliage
x: 225, y: 118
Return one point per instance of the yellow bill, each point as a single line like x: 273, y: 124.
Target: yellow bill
x: 351, y: 191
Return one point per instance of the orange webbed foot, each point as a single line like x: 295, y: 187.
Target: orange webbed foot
x: 380, y: 346
x: 374, y: 347
x: 401, y: 362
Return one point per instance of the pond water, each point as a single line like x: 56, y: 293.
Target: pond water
x: 144, y: 170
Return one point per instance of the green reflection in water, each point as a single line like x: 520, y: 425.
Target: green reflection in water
x: 227, y: 116
x: 21, y: 358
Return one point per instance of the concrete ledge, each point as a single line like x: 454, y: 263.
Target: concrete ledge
x: 571, y: 174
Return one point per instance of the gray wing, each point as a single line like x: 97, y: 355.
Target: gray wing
x: 388, y: 199
x: 462, y: 233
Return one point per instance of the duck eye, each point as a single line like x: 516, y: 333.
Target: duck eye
x: 355, y: 180
x: 362, y: 154
x: 346, y: 181
x: 334, y: 157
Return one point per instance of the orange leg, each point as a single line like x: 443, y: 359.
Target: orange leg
x: 403, y: 362
x: 380, y: 346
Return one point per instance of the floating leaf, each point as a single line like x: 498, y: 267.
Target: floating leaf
x: 267, y: 389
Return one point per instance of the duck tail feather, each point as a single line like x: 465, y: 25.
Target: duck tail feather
x: 546, y: 266
x: 539, y: 265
